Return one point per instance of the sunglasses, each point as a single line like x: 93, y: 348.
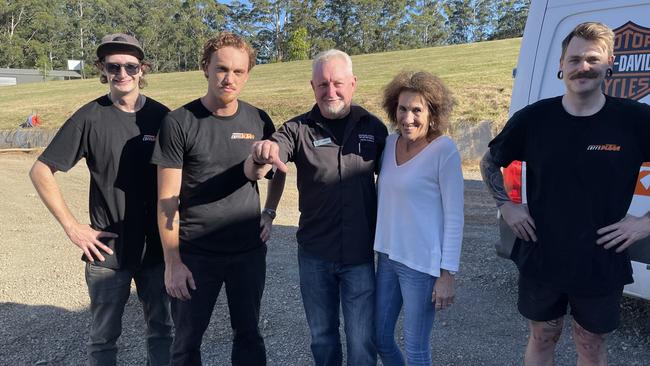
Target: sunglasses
x: 114, y: 68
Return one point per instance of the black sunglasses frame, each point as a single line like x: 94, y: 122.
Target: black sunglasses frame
x: 114, y: 68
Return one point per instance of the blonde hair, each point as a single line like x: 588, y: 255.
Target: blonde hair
x: 591, y: 31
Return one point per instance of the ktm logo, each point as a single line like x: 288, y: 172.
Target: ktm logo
x: 242, y: 136
x: 643, y: 184
x: 631, y: 77
x: 604, y: 147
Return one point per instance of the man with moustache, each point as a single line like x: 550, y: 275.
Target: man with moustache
x: 336, y: 148
x: 209, y: 212
x: 115, y: 133
x: 583, y: 151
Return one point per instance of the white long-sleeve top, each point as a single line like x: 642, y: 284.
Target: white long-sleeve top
x: 420, y: 207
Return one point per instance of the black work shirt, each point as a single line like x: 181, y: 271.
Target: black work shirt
x: 117, y: 146
x: 219, y: 207
x: 580, y: 176
x: 336, y: 182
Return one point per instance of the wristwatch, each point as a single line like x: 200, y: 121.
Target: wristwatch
x: 271, y: 212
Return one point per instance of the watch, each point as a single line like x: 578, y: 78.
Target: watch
x: 271, y: 212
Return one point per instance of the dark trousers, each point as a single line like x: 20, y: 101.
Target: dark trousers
x: 243, y: 275
x: 109, y: 291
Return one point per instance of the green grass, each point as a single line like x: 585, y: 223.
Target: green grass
x: 479, y: 74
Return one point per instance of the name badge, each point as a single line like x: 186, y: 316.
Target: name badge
x: 364, y: 137
x: 321, y: 142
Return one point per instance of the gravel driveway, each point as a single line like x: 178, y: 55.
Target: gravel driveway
x: 44, y: 306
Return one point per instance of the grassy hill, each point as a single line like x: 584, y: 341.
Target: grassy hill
x: 479, y: 74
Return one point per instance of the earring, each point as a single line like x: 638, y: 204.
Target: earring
x: 609, y: 72
x: 560, y: 74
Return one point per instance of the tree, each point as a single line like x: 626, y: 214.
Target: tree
x: 428, y: 24
x: 484, y: 19
x: 298, y: 45
x: 341, y: 14
x: 511, y: 20
x: 310, y: 14
x: 459, y: 20
x: 273, y: 16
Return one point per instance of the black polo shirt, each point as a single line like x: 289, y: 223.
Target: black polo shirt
x: 117, y: 146
x: 336, y: 182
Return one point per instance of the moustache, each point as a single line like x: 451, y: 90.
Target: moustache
x: 591, y: 74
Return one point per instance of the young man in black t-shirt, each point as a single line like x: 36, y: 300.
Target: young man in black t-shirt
x: 583, y: 151
x: 115, y: 133
x: 209, y: 212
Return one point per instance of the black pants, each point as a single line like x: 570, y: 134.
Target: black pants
x: 244, y: 276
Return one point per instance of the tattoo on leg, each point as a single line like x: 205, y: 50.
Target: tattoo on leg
x: 548, y: 332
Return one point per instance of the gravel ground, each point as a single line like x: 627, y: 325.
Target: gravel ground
x: 44, y: 305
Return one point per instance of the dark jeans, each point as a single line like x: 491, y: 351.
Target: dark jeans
x: 109, y: 291
x: 326, y: 286
x: 243, y: 275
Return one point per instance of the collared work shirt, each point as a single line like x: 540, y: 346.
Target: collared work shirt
x: 336, y: 182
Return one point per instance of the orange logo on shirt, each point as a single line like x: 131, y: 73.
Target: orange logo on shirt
x: 604, y: 147
x: 643, y: 183
x: 242, y: 136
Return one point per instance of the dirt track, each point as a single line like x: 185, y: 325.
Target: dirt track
x: 44, y: 304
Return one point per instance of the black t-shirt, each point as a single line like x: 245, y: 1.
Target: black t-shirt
x: 219, y: 207
x: 336, y: 128
x: 580, y: 176
x: 117, y: 146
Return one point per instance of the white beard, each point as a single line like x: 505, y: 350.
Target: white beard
x: 335, y: 111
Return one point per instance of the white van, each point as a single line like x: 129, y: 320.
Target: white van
x: 549, y: 21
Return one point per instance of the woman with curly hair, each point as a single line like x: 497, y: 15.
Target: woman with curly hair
x: 419, y: 218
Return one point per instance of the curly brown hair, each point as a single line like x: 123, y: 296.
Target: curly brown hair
x: 145, y: 67
x: 436, y: 95
x: 226, y: 39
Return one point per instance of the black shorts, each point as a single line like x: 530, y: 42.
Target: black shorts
x: 598, y: 314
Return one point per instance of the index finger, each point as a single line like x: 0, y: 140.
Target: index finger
x: 281, y: 166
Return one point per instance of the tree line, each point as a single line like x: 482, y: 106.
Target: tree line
x: 44, y: 34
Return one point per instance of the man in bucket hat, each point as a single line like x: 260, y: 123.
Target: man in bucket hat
x: 116, y: 134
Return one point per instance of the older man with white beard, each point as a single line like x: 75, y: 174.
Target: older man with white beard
x: 336, y: 148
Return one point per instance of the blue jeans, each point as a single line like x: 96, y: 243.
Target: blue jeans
x: 324, y: 287
x: 109, y: 291
x: 400, y: 286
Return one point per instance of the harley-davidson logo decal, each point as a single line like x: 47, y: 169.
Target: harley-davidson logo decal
x: 631, y: 77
